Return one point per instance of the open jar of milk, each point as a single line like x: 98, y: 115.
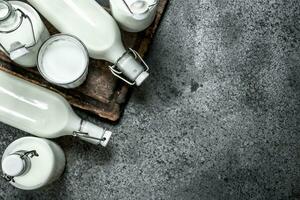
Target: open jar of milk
x: 63, y: 60
x: 22, y: 32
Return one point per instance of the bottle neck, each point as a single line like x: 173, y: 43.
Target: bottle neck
x: 85, y: 130
x: 92, y: 133
x: 133, y: 67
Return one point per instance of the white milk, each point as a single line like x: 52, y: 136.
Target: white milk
x: 28, y: 173
x: 136, y: 16
x: 63, y: 60
x: 27, y: 56
x: 42, y: 112
x: 89, y: 22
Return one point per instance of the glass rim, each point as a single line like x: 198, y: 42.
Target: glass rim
x: 43, y: 49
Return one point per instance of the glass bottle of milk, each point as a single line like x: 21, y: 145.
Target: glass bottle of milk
x: 100, y: 33
x: 30, y: 163
x: 22, y: 32
x: 43, y: 113
x: 134, y: 15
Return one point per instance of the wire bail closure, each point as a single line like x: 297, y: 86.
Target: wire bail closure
x: 84, y: 135
x: 81, y: 134
x: 23, y: 16
x: 26, y: 156
x: 151, y: 6
x: 118, y: 73
x: 8, y: 178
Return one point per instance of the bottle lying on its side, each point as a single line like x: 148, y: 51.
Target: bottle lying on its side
x: 43, y: 113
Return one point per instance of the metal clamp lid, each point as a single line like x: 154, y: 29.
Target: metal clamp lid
x: 22, y: 17
x: 25, y: 157
x: 87, y: 136
x: 118, y: 73
x: 84, y: 135
x: 151, y: 6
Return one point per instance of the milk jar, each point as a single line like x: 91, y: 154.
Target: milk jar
x: 63, y: 60
x: 30, y: 163
x: 22, y: 32
x: 89, y: 22
x: 134, y: 15
x: 43, y: 113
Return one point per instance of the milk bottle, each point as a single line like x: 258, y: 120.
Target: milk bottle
x: 30, y: 163
x: 43, y: 113
x: 22, y: 32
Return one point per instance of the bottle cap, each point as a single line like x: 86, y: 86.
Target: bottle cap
x: 139, y: 7
x: 92, y: 133
x: 141, y: 78
x: 106, y: 136
x: 131, y: 68
x: 13, y: 165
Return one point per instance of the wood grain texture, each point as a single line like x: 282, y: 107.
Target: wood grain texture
x: 102, y: 93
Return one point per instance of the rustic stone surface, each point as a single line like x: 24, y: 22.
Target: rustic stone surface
x: 217, y: 120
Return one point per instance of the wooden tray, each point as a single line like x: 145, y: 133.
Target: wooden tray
x: 102, y: 93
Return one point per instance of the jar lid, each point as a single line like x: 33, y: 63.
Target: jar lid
x: 13, y: 165
x: 5, y: 10
x: 63, y: 60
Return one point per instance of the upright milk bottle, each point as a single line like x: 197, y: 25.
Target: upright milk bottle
x: 134, y: 15
x: 30, y: 163
x: 89, y: 22
x: 43, y: 113
x: 22, y: 32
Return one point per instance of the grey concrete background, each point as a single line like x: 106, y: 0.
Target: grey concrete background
x: 218, y: 119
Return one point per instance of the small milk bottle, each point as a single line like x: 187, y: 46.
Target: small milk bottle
x: 43, y: 113
x: 100, y: 33
x: 22, y: 32
x: 30, y: 163
x: 134, y: 15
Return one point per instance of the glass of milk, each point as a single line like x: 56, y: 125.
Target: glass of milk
x: 63, y: 60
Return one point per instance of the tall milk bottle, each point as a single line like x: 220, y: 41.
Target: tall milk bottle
x: 43, y: 113
x: 22, y: 32
x: 88, y: 21
x: 30, y: 163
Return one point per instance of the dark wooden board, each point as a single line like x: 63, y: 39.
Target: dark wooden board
x: 102, y: 93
